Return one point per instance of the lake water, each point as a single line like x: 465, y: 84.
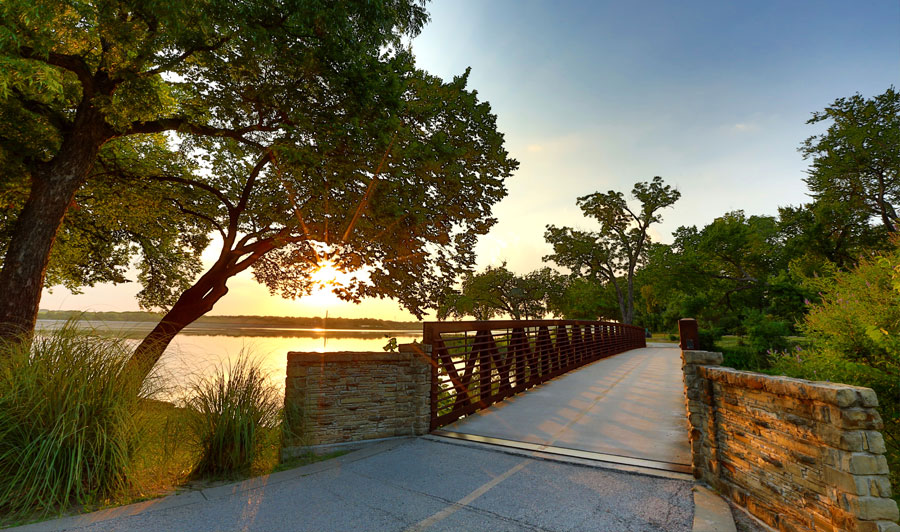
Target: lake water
x: 200, y: 349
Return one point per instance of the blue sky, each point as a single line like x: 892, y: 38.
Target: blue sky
x: 712, y: 96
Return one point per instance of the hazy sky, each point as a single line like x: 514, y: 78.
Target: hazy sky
x: 712, y: 96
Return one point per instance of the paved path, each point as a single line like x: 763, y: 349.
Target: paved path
x: 416, y: 485
x: 628, y: 405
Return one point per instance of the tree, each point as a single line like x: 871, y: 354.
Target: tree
x: 76, y: 76
x: 614, y: 253
x: 583, y: 298
x: 496, y: 291
x: 856, y: 162
x: 854, y: 337
x: 822, y: 232
x: 398, y: 197
x: 112, y: 222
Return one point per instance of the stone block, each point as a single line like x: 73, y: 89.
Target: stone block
x: 875, y: 442
x: 863, y: 463
x: 861, y: 418
x: 871, y: 508
x: 707, y: 358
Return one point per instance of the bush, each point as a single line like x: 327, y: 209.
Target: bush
x: 707, y: 338
x: 233, y: 414
x: 765, y: 334
x: 743, y: 357
x: 67, y: 430
x: 854, y: 336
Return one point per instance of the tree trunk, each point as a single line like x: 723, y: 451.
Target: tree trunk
x: 629, y: 301
x: 192, y: 304
x: 621, y: 299
x: 53, y: 186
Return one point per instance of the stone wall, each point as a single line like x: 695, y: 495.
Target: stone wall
x: 799, y: 455
x: 335, y: 398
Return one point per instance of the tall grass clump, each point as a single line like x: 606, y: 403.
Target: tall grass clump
x: 234, y: 414
x: 67, y: 430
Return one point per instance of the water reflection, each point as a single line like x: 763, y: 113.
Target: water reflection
x: 199, y: 349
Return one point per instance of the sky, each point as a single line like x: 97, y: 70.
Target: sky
x: 713, y: 96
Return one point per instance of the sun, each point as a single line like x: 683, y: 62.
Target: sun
x: 327, y: 279
x: 326, y: 275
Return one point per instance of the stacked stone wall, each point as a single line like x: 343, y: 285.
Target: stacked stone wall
x: 799, y: 455
x: 336, y: 398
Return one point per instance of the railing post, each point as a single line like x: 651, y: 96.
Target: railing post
x: 689, y: 333
x: 428, y: 350
x: 545, y: 352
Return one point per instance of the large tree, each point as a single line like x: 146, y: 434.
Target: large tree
x: 497, y: 291
x: 612, y: 254
x: 113, y: 225
x: 77, y: 75
x: 398, y: 197
x: 856, y: 162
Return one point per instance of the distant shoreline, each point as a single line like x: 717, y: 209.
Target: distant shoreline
x: 285, y: 323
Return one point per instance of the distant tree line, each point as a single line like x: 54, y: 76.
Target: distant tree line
x: 299, y: 322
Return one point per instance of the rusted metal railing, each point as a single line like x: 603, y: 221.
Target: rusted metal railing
x: 477, y: 363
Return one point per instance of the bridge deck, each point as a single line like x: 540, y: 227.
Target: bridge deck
x: 628, y: 408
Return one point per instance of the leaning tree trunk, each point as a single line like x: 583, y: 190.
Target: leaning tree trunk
x: 53, y: 187
x: 192, y: 304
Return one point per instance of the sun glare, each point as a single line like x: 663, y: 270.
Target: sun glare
x: 327, y: 276
x: 326, y: 279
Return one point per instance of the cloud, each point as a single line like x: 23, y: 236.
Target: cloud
x: 744, y: 126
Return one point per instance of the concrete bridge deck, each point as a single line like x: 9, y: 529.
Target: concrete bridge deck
x: 628, y: 408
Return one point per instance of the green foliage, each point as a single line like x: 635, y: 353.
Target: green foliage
x: 708, y: 338
x: 765, y: 334
x: 391, y: 344
x: 854, y: 335
x: 78, y: 76
x: 582, y: 298
x: 233, y: 414
x: 856, y: 162
x: 496, y: 291
x: 67, y: 422
x: 614, y: 253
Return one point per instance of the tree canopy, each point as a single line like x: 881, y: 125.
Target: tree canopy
x: 76, y: 76
x: 857, y: 160
x: 496, y: 291
x: 614, y: 252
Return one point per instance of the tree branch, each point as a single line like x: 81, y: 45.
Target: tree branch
x: 200, y: 215
x: 201, y: 185
x: 181, y: 124
x: 187, y: 53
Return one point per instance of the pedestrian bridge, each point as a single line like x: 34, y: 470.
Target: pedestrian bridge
x: 626, y: 409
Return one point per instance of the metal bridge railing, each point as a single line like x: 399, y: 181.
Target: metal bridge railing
x: 477, y: 363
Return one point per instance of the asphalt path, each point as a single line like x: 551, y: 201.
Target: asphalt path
x: 416, y: 485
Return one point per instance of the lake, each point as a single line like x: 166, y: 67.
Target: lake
x: 201, y: 348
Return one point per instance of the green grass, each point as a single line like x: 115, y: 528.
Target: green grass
x: 68, y: 430
x: 233, y: 417
x: 664, y: 337
x: 76, y: 437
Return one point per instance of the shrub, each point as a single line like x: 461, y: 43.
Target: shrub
x: 707, y: 338
x: 233, y: 414
x: 765, y: 334
x: 67, y: 431
x: 854, y: 335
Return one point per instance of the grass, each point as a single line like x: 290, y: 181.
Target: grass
x: 68, y: 433
x: 76, y: 437
x: 233, y: 417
